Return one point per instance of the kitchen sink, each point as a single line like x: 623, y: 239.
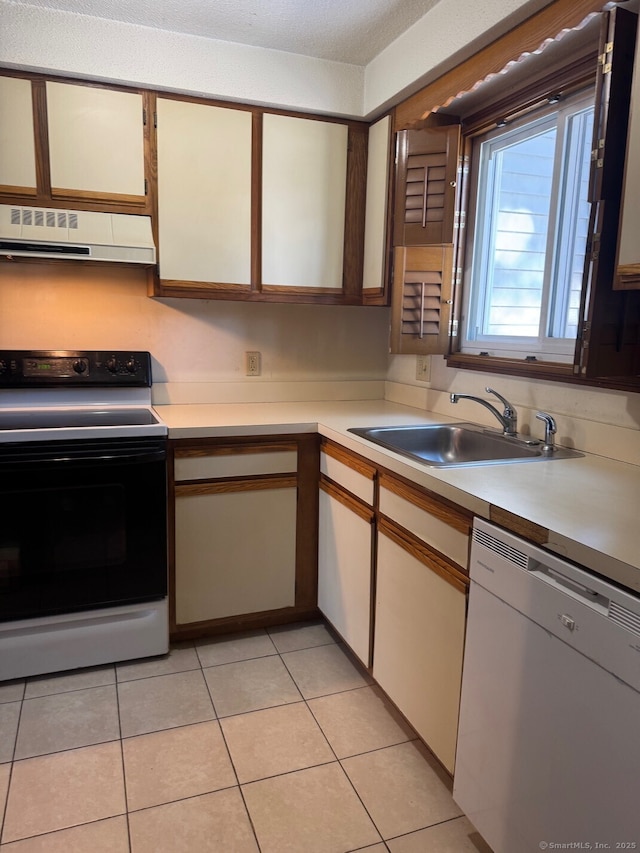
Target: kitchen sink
x: 458, y: 444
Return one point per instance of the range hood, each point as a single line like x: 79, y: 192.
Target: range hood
x: 82, y: 235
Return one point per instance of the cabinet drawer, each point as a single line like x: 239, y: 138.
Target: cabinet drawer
x: 214, y: 466
x: 436, y: 532
x: 359, y: 482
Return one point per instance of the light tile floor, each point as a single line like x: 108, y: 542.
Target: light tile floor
x: 272, y: 741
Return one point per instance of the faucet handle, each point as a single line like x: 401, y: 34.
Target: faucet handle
x: 507, y: 405
x: 550, y: 429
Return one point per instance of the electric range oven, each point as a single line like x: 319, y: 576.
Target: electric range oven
x: 83, y: 511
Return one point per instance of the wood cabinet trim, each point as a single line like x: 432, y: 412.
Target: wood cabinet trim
x: 351, y: 460
x: 117, y: 201
x: 347, y: 499
x: 41, y: 133
x: 259, y: 482
x: 244, y: 293
x: 520, y: 526
x: 526, y: 37
x: 355, y: 197
x: 244, y: 622
x: 256, y: 200
x: 456, y: 517
x: 432, y: 560
x: 230, y: 448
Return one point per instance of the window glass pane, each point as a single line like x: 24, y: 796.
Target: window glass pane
x: 573, y: 221
x: 529, y: 232
x: 520, y: 178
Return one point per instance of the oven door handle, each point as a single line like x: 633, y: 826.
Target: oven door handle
x: 79, y: 458
x: 155, y: 456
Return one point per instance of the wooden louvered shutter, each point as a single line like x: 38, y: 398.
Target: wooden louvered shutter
x: 422, y: 294
x: 427, y: 163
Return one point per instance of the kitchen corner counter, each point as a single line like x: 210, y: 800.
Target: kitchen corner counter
x: 589, y: 504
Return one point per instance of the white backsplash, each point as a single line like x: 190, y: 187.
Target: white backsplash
x: 197, y: 342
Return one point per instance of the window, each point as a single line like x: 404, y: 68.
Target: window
x: 530, y: 288
x: 528, y: 238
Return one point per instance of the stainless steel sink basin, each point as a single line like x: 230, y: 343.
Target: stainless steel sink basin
x: 449, y: 445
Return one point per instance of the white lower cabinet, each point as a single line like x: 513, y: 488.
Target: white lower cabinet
x: 235, y: 553
x: 239, y: 512
x: 419, y: 640
x: 344, y: 570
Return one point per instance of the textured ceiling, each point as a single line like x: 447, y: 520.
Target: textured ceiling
x: 352, y: 31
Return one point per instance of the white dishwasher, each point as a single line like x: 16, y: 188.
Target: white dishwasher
x: 548, y: 753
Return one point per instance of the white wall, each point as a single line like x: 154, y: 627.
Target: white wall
x: 439, y: 40
x: 79, y: 46
x: 75, y: 45
x: 191, y: 340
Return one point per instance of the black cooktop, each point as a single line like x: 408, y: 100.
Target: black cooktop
x: 66, y: 418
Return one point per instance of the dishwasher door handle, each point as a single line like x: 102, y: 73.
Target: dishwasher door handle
x: 569, y: 585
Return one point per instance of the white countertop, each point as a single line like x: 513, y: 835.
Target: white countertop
x: 590, y: 505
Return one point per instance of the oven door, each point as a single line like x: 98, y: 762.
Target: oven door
x: 83, y: 525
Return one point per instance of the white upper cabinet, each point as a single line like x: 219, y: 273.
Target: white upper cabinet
x: 304, y: 178
x: 17, y: 142
x: 96, y: 141
x: 375, y: 233
x: 204, y: 192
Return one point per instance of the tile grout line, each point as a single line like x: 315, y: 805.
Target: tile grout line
x: 231, y: 761
x: 339, y: 763
x: 11, y: 763
x: 124, y: 771
x: 366, y: 752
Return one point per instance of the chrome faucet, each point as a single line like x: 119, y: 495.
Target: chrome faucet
x: 549, y: 432
x: 509, y: 417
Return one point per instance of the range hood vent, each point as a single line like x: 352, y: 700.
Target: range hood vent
x: 76, y: 234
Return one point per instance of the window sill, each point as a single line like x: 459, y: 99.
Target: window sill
x: 552, y: 370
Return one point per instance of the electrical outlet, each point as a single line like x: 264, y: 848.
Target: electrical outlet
x: 252, y: 363
x: 423, y: 368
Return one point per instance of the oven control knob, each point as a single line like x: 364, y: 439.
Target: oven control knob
x: 3, y: 367
x: 131, y: 365
x: 79, y: 366
x: 112, y: 365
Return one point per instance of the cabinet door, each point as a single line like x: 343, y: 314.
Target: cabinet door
x: 204, y: 193
x: 17, y: 141
x: 374, y: 274
x: 422, y: 299
x: 608, y: 344
x: 96, y: 143
x: 419, y: 638
x: 628, y: 264
x: 344, y: 570
x: 220, y: 570
x: 427, y: 165
x: 304, y: 176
